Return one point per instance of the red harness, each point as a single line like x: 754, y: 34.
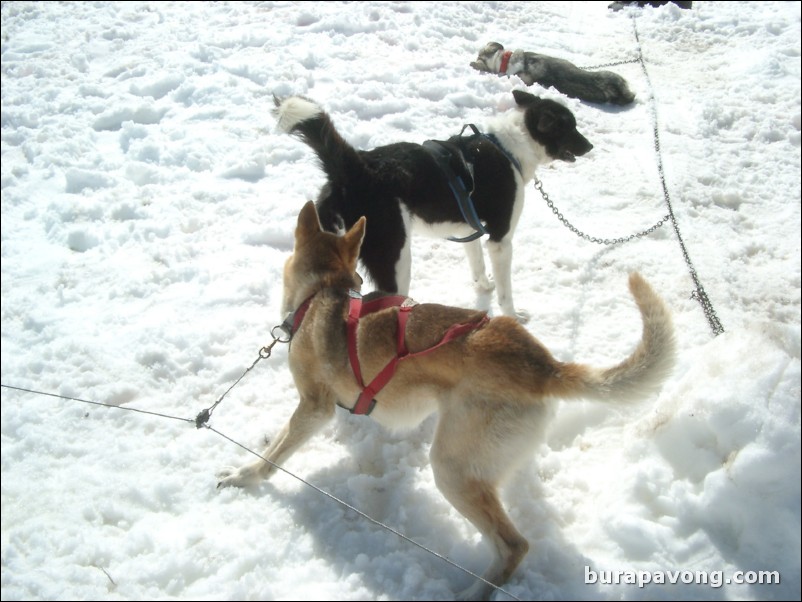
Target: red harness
x: 505, y: 60
x: 367, y: 398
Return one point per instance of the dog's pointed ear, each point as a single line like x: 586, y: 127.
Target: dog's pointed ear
x: 352, y: 241
x: 308, y: 222
x: 524, y: 99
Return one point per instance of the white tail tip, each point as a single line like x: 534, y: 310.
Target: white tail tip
x: 295, y: 110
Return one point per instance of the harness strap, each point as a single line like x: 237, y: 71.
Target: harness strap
x: 461, y: 184
x: 367, y: 398
x: 461, y: 179
x: 496, y: 142
x: 356, y: 309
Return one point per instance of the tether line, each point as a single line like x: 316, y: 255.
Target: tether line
x: 363, y: 515
x: 97, y: 403
x: 285, y: 471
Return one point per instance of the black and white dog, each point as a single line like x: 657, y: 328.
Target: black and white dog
x: 405, y: 185
x: 548, y: 71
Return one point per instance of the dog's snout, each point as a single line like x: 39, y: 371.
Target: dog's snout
x: 583, y: 146
x: 578, y: 147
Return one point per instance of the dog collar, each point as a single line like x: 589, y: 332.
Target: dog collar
x: 292, y: 321
x: 505, y: 60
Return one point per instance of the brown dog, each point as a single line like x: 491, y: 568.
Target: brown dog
x: 494, y: 387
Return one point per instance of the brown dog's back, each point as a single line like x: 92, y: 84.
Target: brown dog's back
x: 504, y: 357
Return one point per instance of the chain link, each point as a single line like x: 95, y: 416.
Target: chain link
x: 203, y: 417
x: 605, y: 65
x: 698, y: 293
x: 593, y: 239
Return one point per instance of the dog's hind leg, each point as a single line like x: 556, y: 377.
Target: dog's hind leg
x: 386, y: 253
x: 403, y: 267
x: 473, y: 450
x: 476, y: 260
x: 478, y: 501
x: 312, y: 413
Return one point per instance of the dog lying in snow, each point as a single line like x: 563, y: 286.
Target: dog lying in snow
x: 564, y: 76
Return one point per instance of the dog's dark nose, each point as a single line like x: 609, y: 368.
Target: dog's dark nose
x: 582, y: 146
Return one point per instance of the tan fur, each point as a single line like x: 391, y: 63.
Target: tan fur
x: 493, y: 388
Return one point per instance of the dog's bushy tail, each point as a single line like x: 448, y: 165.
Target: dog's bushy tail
x: 307, y: 120
x: 644, y: 370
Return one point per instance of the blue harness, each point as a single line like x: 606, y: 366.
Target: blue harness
x: 461, y: 184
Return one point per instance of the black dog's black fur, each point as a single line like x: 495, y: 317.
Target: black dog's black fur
x: 382, y: 182
x: 408, y: 172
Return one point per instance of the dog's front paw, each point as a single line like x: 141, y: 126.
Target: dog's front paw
x: 484, y: 284
x: 519, y: 314
x: 231, y: 476
x: 478, y: 591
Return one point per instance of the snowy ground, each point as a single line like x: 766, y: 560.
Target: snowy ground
x: 148, y: 205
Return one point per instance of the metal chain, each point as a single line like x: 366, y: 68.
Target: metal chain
x: 698, y: 293
x: 610, y: 64
x: 203, y: 417
x: 593, y: 239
